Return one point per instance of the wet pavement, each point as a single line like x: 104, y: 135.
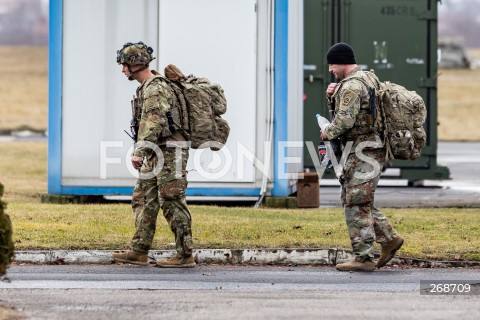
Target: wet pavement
x: 231, y: 292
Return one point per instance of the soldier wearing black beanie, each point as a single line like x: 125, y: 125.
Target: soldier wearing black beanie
x: 340, y: 53
x: 350, y: 101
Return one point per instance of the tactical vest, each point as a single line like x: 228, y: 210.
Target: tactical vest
x: 365, y: 123
x: 172, y: 115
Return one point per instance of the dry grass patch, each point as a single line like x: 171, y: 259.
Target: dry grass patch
x: 473, y: 53
x: 434, y: 233
x: 23, y: 170
x: 459, y: 105
x: 47, y: 226
x: 24, y: 87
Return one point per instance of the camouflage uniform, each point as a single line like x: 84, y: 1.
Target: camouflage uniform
x: 166, y: 189
x: 353, y: 122
x: 6, y: 242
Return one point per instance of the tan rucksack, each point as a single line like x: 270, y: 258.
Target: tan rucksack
x: 404, y: 114
x: 201, y: 106
x: 400, y: 116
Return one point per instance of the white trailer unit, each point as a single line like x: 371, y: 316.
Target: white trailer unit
x: 253, y: 48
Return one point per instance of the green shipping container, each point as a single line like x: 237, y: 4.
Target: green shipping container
x: 396, y: 38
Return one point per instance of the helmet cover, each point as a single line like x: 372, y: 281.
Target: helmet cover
x: 134, y: 54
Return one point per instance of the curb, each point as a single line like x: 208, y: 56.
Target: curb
x: 325, y: 257
x: 207, y: 256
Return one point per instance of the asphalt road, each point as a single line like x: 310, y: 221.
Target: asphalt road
x: 234, y: 292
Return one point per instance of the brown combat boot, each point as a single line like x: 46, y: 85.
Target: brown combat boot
x: 133, y: 257
x: 177, y: 262
x: 388, y: 251
x: 354, y: 265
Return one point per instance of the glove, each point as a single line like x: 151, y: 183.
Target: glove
x: 322, y: 122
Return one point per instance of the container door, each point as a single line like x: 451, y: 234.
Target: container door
x: 317, y: 40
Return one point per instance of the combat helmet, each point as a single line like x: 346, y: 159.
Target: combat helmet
x: 133, y: 54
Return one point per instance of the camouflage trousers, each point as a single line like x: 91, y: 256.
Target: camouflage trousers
x: 365, y: 223
x: 164, y: 191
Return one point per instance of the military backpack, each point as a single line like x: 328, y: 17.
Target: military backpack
x: 201, y: 105
x: 399, y: 117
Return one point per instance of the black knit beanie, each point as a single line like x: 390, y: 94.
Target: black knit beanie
x: 340, y: 53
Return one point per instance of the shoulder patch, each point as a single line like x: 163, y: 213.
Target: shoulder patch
x: 347, y: 98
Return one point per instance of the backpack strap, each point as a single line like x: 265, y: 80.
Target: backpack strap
x: 175, y: 122
x: 386, y: 140
x: 372, y: 98
x: 356, y: 78
x: 181, y: 108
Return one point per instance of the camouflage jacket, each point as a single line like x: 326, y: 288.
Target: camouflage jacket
x: 353, y: 116
x: 156, y: 99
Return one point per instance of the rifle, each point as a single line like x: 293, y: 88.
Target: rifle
x: 133, y: 130
x: 134, y: 123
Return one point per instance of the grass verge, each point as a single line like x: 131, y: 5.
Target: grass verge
x: 429, y: 233
x: 446, y: 233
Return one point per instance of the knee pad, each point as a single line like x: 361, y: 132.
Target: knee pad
x: 174, y: 189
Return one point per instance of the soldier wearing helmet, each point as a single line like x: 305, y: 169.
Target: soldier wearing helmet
x: 135, y: 57
x: 158, y: 139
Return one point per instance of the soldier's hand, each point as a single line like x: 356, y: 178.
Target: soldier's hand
x: 331, y: 88
x: 322, y: 136
x: 137, y: 162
